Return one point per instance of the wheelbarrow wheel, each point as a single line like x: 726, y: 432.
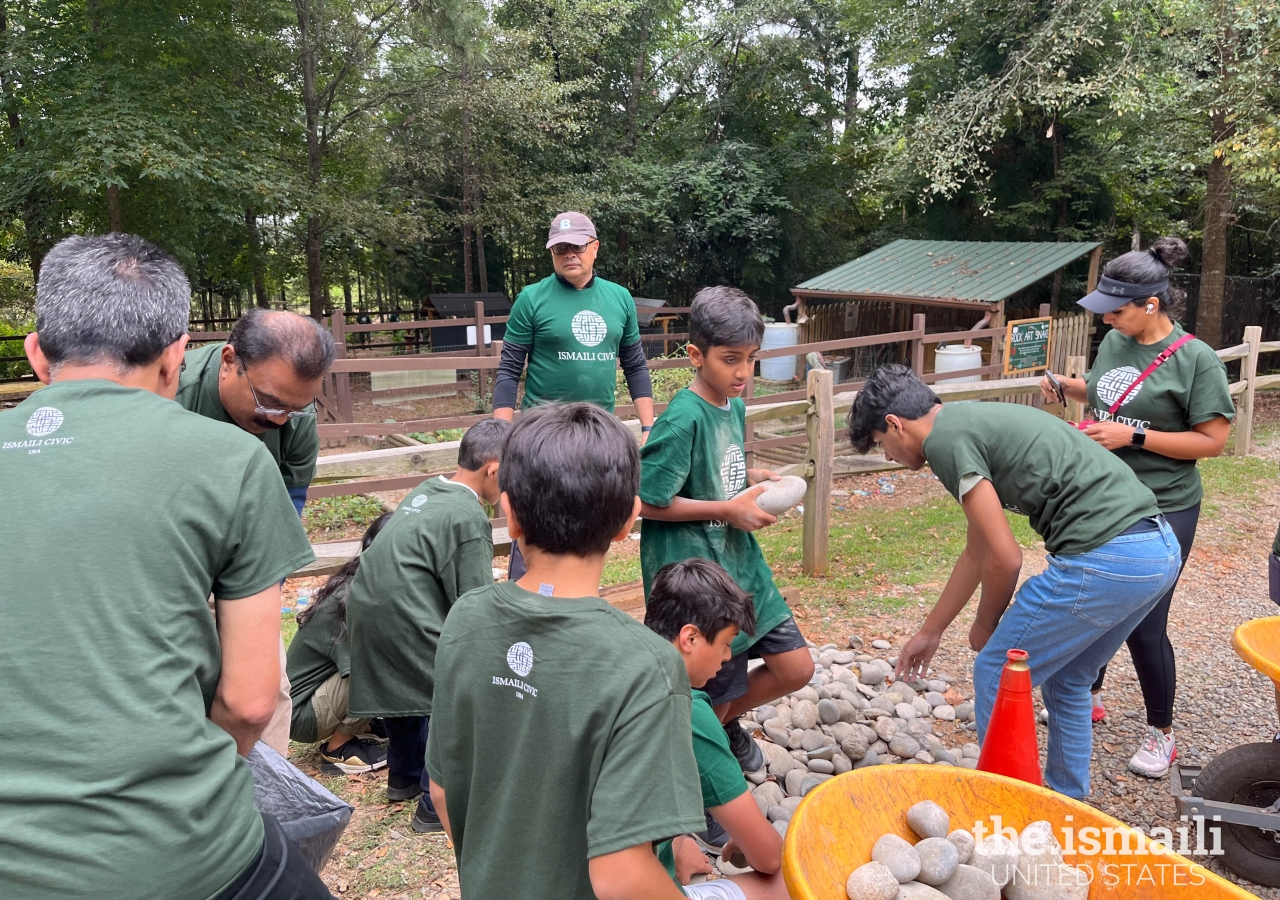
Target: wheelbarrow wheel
x: 1248, y: 775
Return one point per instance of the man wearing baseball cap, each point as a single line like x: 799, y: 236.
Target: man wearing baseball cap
x: 574, y: 329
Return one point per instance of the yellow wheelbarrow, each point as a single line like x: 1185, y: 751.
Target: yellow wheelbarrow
x: 833, y: 830
x: 1240, y: 788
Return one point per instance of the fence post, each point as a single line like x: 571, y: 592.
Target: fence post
x: 917, y: 344
x: 748, y: 393
x: 1248, y: 373
x: 482, y: 379
x: 342, y: 381
x: 1075, y: 369
x: 820, y: 426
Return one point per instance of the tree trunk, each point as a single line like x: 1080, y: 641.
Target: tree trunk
x: 315, y: 156
x: 115, y: 215
x: 346, y: 293
x: 1217, y: 221
x: 1135, y: 238
x: 484, y: 273
x: 851, y: 76
x: 255, y: 255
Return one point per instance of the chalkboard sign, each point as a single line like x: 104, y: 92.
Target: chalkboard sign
x: 1026, y: 345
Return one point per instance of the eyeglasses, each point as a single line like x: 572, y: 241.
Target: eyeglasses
x: 565, y: 249
x: 261, y: 410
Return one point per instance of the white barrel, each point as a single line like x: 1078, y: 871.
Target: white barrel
x: 779, y: 334
x: 957, y: 358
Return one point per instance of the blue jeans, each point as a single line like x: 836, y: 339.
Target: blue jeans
x: 1071, y: 619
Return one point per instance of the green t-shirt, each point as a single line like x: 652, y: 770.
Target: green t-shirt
x: 1077, y: 495
x: 560, y: 733
x: 124, y: 513
x: 1188, y: 388
x: 437, y: 546
x: 317, y: 652
x: 695, y: 451
x: 573, y: 339
x: 719, y: 772
x: 294, y: 446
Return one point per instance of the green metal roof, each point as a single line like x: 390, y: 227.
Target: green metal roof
x: 948, y: 271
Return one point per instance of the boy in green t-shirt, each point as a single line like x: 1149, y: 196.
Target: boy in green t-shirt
x: 699, y: 500
x: 696, y: 606
x: 1111, y: 553
x: 559, y: 750
x: 437, y: 547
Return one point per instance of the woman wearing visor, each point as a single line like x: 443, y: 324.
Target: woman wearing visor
x: 1158, y: 399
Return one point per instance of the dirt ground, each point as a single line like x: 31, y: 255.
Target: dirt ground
x: 1221, y: 702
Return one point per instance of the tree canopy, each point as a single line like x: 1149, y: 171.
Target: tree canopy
x: 327, y: 153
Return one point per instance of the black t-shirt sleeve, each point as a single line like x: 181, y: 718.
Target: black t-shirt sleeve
x: 510, y: 368
x: 636, y: 369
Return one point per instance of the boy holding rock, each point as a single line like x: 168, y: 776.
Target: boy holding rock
x: 559, y: 750
x: 697, y: 607
x: 699, y: 500
x: 1111, y: 553
x: 437, y: 546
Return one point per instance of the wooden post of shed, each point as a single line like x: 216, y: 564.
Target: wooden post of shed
x: 1249, y: 375
x: 820, y: 426
x: 1045, y: 310
x: 482, y: 374
x: 1095, y: 265
x: 342, y: 381
x: 917, y: 344
x: 1075, y: 369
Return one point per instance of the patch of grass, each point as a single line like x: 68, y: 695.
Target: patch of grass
x: 288, y: 627
x: 620, y: 568
x: 437, y: 437
x: 1234, y: 479
x: 332, y: 517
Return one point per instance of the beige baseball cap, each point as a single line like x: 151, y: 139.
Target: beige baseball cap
x: 570, y: 228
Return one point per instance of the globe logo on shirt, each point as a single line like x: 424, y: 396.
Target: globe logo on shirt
x: 45, y: 420
x: 733, y: 470
x: 589, y: 328
x: 418, y: 501
x: 520, y: 658
x: 1114, y: 383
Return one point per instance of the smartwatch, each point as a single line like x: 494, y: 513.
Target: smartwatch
x: 646, y: 428
x: 1139, y: 436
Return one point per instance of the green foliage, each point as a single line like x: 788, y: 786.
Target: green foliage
x: 442, y: 436
x: 328, y: 517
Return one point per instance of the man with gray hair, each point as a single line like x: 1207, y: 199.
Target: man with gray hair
x: 265, y: 379
x: 128, y: 513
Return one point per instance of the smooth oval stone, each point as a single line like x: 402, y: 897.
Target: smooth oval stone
x: 828, y: 712
x: 919, y: 726
x: 871, y: 759
x: 781, y: 827
x: 1051, y: 882
x: 793, y: 780
x: 879, y: 747
x: 841, y: 730
x: 885, y: 729
x: 795, y: 739
x: 778, y: 814
x: 841, y: 763
x: 942, y: 754
x: 921, y: 706
x: 904, y: 746
x: 924, y: 756
x: 882, y: 703
x: 811, y: 740
x: 929, y: 820
x: 938, y: 860
x: 805, y: 714
x: 969, y: 883
x: 765, y: 713
x: 963, y: 841
x: 776, y: 730
x: 935, y: 698
x: 970, y: 751
x: 780, y: 496
x: 964, y: 709
x: 822, y: 766
x: 808, y: 692
x: 826, y: 751
x: 915, y: 890
x: 854, y: 745
x: 997, y: 856
x: 868, y: 732
x: 791, y: 803
x: 872, y: 881
x: 944, y: 712
x: 899, y: 856
x: 872, y: 673
x: 967, y: 763
x: 812, y: 780
x: 770, y: 792
x: 842, y: 657
x: 906, y: 711
x: 881, y: 644
x: 1038, y: 846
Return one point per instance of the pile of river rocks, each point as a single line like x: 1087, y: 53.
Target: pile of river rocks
x: 852, y: 714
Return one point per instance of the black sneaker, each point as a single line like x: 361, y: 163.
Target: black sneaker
x: 425, y: 818
x: 377, y: 731
x: 352, y: 758
x: 744, y: 748
x: 400, y: 788
x: 714, y: 838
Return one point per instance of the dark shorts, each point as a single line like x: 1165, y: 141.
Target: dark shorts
x: 730, y: 682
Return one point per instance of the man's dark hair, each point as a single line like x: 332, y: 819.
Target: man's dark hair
x: 262, y: 334
x: 570, y: 472
x: 697, y: 592
x: 724, y: 317
x: 1152, y: 265
x: 891, y: 390
x: 482, y: 444
x: 111, y: 299
x: 336, y: 589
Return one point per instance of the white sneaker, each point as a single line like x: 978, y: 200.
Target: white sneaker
x: 1155, y: 755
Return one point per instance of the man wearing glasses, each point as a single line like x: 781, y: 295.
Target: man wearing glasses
x: 574, y: 329
x: 264, y: 380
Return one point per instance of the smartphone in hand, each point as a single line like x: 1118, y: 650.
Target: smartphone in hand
x: 1057, y: 387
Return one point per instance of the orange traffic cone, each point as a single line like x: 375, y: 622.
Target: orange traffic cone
x: 1010, y: 746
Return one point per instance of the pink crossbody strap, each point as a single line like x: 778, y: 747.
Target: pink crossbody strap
x: 1155, y: 364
